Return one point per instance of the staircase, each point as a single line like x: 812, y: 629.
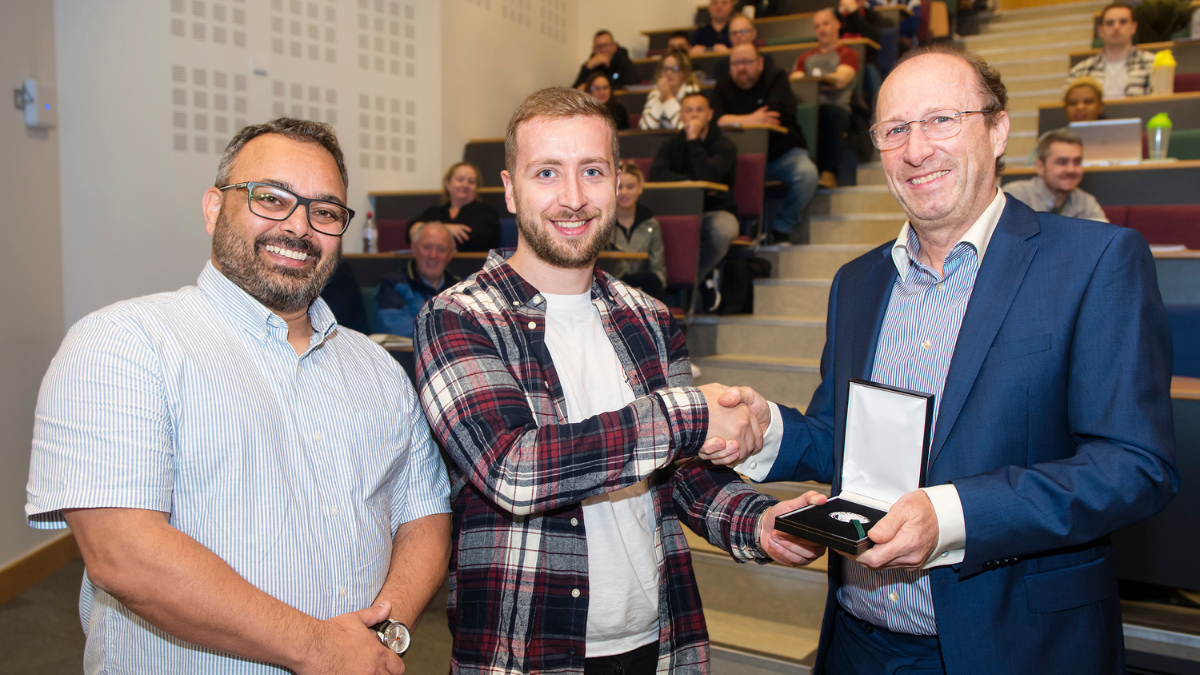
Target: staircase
x: 1030, y: 48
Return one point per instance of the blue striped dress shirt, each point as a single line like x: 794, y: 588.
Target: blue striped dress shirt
x: 916, y: 343
x: 295, y: 470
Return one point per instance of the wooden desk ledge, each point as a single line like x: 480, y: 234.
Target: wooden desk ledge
x: 405, y: 254
x: 719, y: 187
x: 1147, y: 47
x: 1184, y: 254
x: 494, y: 190
x: 1185, y: 388
x: 669, y: 185
x: 1144, y: 166
x: 769, y: 127
x: 1113, y: 106
x: 767, y: 20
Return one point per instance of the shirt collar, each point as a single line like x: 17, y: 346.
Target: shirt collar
x: 251, y: 314
x: 977, y: 236
x: 518, y: 292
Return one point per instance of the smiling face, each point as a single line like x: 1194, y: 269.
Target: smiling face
x: 282, y: 264
x: 432, y: 251
x: 1083, y: 104
x: 1063, y: 168
x: 563, y: 189
x: 462, y: 185
x: 600, y: 89
x: 629, y: 191
x: 1117, y: 28
x: 945, y: 183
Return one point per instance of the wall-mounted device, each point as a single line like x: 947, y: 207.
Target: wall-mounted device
x: 39, y: 101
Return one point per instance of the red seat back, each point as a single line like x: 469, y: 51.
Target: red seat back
x: 1185, y: 82
x: 1117, y: 215
x: 751, y: 177
x: 393, y: 234
x: 643, y: 165
x: 681, y: 248
x: 1167, y: 223
x: 634, y: 119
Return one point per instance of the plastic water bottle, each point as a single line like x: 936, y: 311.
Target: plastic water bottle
x: 370, y: 235
x: 1162, y: 74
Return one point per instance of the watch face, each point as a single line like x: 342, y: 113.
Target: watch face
x: 396, y: 637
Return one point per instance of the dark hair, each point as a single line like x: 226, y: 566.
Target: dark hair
x: 304, y: 131
x: 1057, y: 136
x: 592, y: 77
x: 1117, y: 5
x: 680, y: 33
x: 831, y: 10
x: 989, y: 85
x: 695, y: 93
x: 604, y: 31
x: 557, y: 103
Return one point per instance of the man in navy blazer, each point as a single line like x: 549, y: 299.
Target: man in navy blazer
x: 1045, y: 342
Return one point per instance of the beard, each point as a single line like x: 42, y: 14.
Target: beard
x: 280, y: 289
x: 570, y: 254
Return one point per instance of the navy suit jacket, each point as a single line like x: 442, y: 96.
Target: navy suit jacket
x: 1055, y: 427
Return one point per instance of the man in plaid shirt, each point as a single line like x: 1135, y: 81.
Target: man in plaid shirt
x: 565, y: 398
x: 1123, y: 68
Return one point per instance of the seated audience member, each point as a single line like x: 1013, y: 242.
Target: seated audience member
x: 474, y: 225
x: 1084, y: 100
x: 405, y: 290
x: 857, y: 20
x: 680, y: 40
x: 741, y: 31
x: 1123, y: 69
x: 702, y: 152
x: 830, y: 59
x: 1059, y: 168
x: 714, y: 35
x: 601, y: 89
x: 674, y: 80
x: 639, y: 232
x: 753, y: 95
x: 611, y: 59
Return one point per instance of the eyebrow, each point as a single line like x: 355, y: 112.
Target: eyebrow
x: 288, y: 186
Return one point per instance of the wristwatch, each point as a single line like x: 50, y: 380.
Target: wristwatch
x: 394, y: 635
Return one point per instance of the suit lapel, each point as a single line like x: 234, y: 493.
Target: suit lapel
x: 996, y: 284
x: 874, y: 293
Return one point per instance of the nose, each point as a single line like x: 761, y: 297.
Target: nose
x: 572, y: 197
x: 297, y: 224
x: 918, y: 147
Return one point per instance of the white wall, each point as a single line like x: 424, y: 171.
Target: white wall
x: 30, y: 263
x: 151, y: 92
x: 628, y: 18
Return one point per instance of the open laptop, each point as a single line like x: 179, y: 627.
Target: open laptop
x: 1108, y: 142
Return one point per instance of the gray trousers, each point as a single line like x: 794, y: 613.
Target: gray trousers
x: 717, y: 231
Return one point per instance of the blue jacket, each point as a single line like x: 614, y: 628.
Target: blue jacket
x: 401, y: 295
x: 1055, y: 427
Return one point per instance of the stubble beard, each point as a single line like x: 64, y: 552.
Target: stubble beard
x: 280, y: 289
x: 573, y: 254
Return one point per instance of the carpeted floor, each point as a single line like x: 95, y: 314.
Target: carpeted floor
x: 40, y: 632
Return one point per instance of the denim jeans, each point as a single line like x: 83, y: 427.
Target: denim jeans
x: 795, y: 170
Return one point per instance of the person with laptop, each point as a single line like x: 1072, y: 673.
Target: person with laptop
x: 1059, y: 169
x: 1123, y: 68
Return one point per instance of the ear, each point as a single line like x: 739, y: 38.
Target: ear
x: 1040, y: 167
x: 999, y: 134
x: 211, y: 205
x: 510, y: 198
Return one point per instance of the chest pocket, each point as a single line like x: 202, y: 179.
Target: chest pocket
x: 1015, y: 349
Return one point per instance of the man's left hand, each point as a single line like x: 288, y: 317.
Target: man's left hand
x: 906, y: 536
x: 784, y: 548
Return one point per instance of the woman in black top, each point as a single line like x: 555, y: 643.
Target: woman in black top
x: 474, y: 225
x: 600, y: 88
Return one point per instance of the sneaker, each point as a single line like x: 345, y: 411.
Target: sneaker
x: 827, y: 180
x: 712, y: 292
x: 695, y: 371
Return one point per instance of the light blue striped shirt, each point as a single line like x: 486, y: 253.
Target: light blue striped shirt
x: 916, y: 343
x: 295, y: 470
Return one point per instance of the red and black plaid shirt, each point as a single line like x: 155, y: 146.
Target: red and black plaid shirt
x: 519, y: 569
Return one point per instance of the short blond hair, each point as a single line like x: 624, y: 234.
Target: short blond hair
x: 557, y: 103
x: 631, y: 169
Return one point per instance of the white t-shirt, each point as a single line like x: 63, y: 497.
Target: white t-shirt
x: 621, y: 537
x: 1116, y: 76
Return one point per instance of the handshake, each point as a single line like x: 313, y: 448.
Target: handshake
x: 737, y: 419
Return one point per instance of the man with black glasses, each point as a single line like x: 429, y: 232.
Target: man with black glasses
x: 251, y: 486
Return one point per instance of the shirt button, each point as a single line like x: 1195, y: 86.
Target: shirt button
x: 342, y: 591
x: 893, y: 597
x: 945, y: 554
x: 574, y: 522
x: 532, y: 325
x: 333, y: 511
x: 317, y: 437
x: 926, y: 344
x: 516, y: 303
x: 575, y: 593
x: 938, y: 286
x: 753, y: 465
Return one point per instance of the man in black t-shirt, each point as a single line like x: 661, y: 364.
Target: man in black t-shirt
x: 755, y: 95
x: 611, y: 59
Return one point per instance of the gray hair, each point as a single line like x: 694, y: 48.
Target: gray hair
x: 420, y: 230
x: 289, y: 127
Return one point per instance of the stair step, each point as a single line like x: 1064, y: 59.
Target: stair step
x: 782, y: 336
x: 856, y: 199
x: 1083, y: 20
x: 1049, y: 12
x: 791, y: 297
x: 1022, y: 121
x: 1020, y: 144
x: 1049, y: 34
x: 1042, y: 65
x: 872, y: 229
x: 730, y: 661
x: 790, y: 382
x: 1028, y: 101
x: 810, y: 261
x: 1059, y: 50
x: 871, y: 173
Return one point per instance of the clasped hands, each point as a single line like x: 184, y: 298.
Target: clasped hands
x: 737, y: 419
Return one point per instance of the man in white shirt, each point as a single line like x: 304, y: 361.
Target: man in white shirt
x: 1123, y: 68
x: 253, y: 487
x: 566, y: 401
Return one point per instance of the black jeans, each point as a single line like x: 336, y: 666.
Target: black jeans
x: 641, y: 661
x: 832, y: 123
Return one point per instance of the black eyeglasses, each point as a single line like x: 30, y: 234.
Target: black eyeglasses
x: 275, y: 203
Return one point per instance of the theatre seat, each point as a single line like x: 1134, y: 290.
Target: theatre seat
x: 751, y: 182
x: 643, y: 164
x: 681, y: 247
x: 393, y: 235
x: 634, y: 119
x: 1117, y: 215
x: 1185, y: 82
x: 1167, y: 223
x: 1184, y: 321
